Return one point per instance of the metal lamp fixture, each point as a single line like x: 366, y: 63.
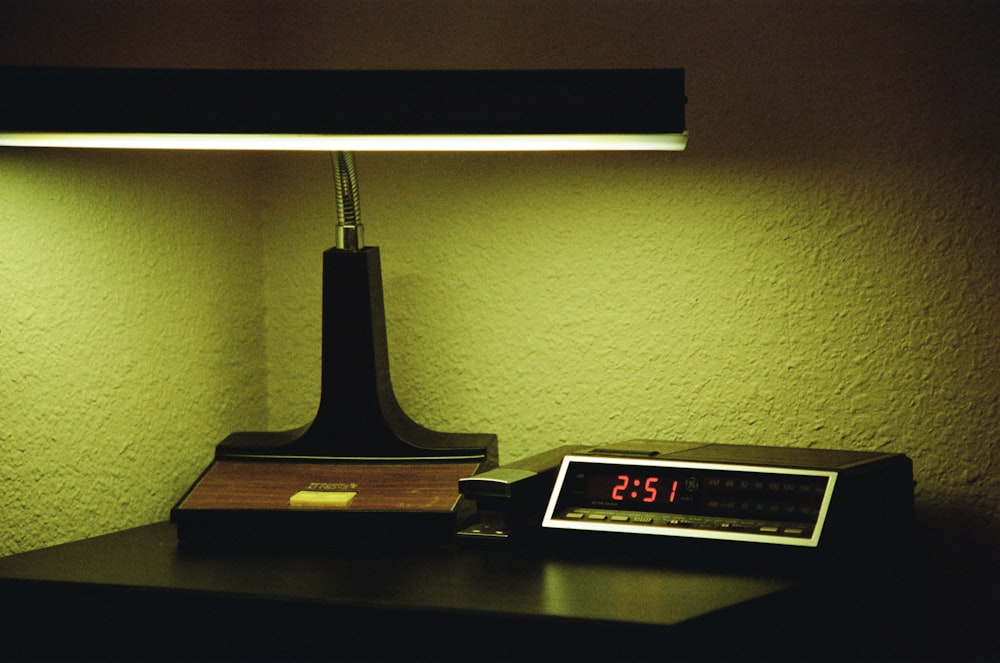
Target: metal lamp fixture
x: 640, y: 109
x: 359, y: 463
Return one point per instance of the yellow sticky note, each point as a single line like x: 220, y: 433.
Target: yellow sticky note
x: 321, y: 498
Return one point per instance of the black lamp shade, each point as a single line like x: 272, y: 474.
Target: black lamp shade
x: 647, y: 102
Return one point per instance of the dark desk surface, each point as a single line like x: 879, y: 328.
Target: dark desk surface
x: 134, y: 593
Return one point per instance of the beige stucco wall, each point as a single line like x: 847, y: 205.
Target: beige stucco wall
x: 130, y: 333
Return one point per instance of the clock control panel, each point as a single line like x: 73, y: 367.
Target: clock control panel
x: 665, y: 497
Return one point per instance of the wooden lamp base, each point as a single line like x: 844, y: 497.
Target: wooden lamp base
x: 294, y: 484
x: 256, y: 500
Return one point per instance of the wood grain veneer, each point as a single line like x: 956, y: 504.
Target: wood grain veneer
x: 383, y: 486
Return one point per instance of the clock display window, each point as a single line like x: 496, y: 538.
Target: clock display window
x: 694, y: 491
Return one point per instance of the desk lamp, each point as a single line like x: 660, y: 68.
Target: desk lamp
x: 362, y: 467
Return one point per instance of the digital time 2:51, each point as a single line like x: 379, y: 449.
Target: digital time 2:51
x: 642, y: 488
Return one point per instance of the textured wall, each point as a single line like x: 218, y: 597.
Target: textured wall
x: 130, y: 316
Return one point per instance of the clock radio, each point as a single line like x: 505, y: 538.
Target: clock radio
x: 799, y: 497
x: 719, y: 494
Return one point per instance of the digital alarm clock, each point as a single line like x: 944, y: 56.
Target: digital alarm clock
x: 766, y: 495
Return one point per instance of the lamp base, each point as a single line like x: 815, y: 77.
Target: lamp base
x: 404, y: 476
x: 272, y: 502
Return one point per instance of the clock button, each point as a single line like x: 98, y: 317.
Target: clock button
x: 620, y: 519
x: 596, y: 516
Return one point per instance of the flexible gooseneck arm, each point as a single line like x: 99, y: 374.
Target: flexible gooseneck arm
x: 350, y: 231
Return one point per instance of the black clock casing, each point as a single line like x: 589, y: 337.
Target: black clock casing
x: 795, y: 497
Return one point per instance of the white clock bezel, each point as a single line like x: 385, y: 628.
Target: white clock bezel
x: 551, y: 521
